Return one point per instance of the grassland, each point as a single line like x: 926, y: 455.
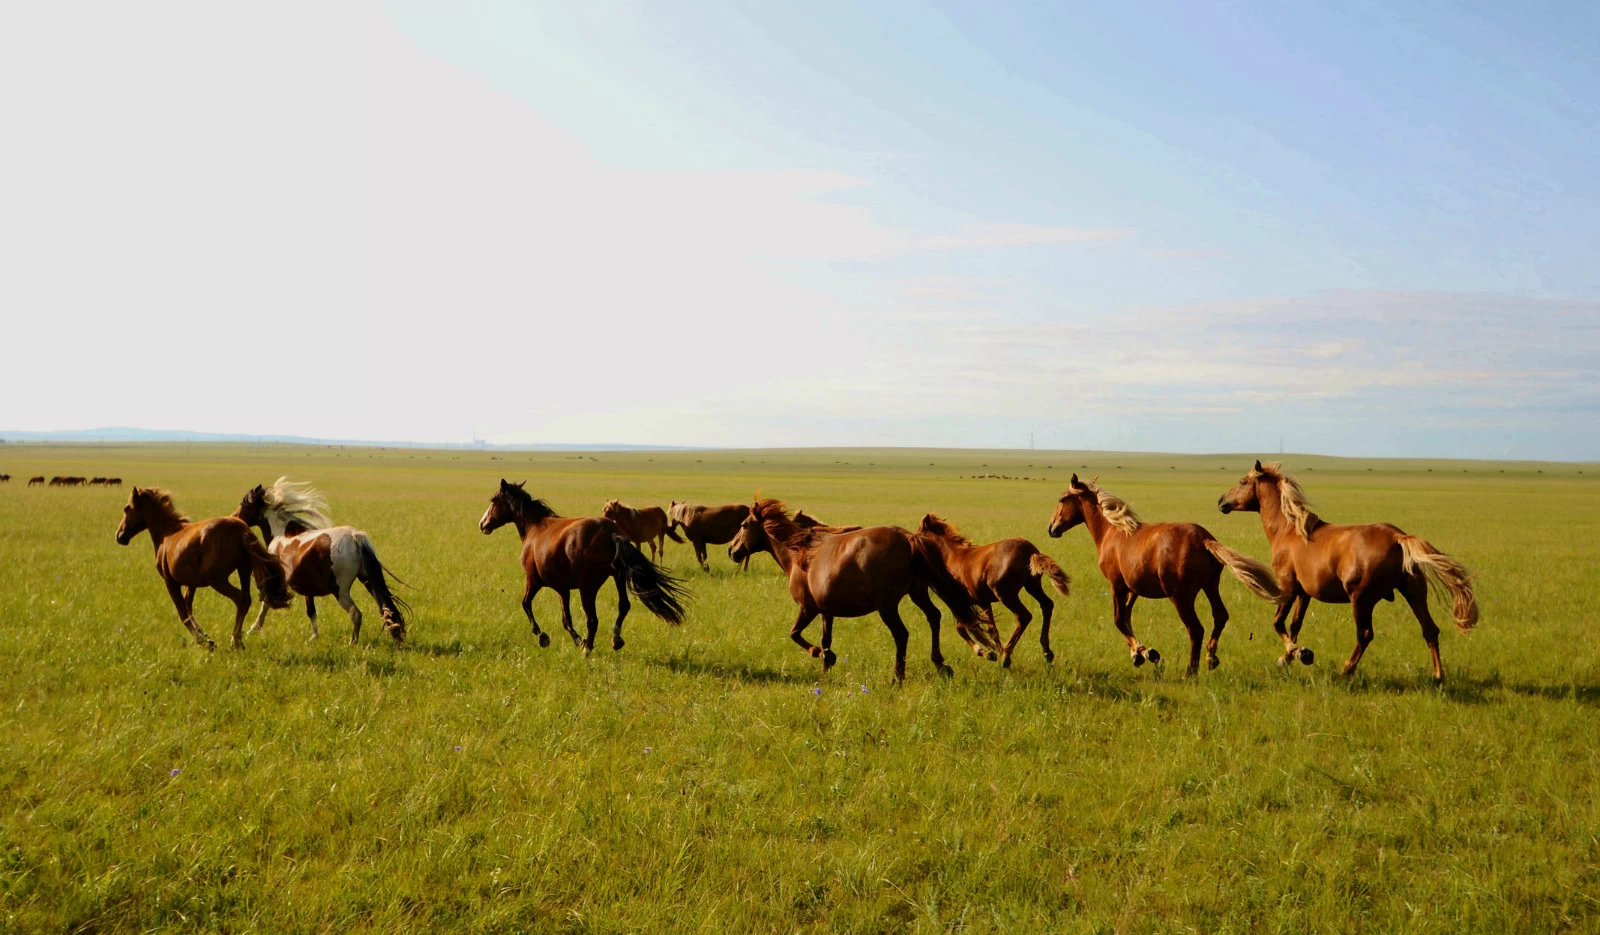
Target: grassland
x: 470, y: 781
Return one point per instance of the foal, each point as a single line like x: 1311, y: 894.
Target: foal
x: 647, y: 526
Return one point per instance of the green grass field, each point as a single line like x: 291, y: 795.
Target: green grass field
x: 472, y: 781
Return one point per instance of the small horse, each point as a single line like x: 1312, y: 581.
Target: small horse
x: 36, y: 480
x: 707, y: 525
x: 318, y: 558
x: 203, y: 555
x: 1000, y: 571
x: 5, y: 478
x: 1172, y: 560
x: 580, y: 554
x: 647, y: 526
x: 57, y: 481
x: 853, y: 574
x: 96, y: 481
x: 1355, y: 565
x: 113, y: 482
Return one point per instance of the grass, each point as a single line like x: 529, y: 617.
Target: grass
x: 470, y: 781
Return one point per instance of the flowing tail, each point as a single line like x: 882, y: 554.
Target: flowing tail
x: 1044, y: 566
x: 267, y: 571
x: 1252, y: 574
x: 1444, y: 574
x: 928, y: 561
x: 672, y: 535
x: 374, y: 576
x: 660, y: 592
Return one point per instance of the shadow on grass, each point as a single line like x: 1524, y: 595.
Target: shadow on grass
x: 736, y: 673
x: 1480, y: 690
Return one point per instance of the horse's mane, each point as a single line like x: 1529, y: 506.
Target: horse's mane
x: 1117, y: 511
x: 298, y: 502
x: 1292, y: 499
x: 775, y: 513
x: 936, y: 526
x: 529, y: 507
x: 162, y: 501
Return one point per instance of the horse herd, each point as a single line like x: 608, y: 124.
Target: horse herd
x: 834, y: 571
x: 61, y: 480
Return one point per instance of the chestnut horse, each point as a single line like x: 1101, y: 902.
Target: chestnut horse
x: 707, y: 525
x: 1000, y: 571
x: 855, y: 573
x: 1176, y: 561
x: 1355, y: 565
x: 582, y: 554
x: 36, y: 479
x: 203, y: 555
x: 649, y: 525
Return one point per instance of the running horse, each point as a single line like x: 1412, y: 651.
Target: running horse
x: 707, y: 525
x: 855, y: 573
x: 320, y: 559
x: 1000, y: 571
x: 580, y: 555
x: 202, y: 555
x: 647, y: 526
x: 1355, y: 565
x: 1176, y: 561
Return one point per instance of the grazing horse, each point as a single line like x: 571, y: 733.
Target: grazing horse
x: 36, y: 480
x: 649, y: 525
x: 5, y: 478
x: 707, y: 525
x: 1355, y: 565
x: 96, y: 481
x: 57, y: 481
x: 319, y: 558
x: 113, y: 482
x: 1000, y: 571
x: 203, y: 555
x: 853, y: 574
x: 1172, y: 560
x: 580, y: 554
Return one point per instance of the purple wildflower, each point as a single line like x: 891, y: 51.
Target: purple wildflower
x: 817, y: 692
x: 458, y: 748
x: 175, y: 771
x: 863, y: 689
x: 646, y: 751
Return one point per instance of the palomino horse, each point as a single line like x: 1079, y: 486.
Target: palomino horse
x: 203, y: 555
x: 649, y: 525
x: 1172, y: 560
x: 1000, y: 571
x: 580, y: 554
x: 707, y: 525
x: 35, y: 480
x: 319, y: 558
x: 855, y: 573
x: 1355, y: 565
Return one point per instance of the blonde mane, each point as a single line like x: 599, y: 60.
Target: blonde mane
x: 938, y: 526
x: 1292, y: 499
x: 1116, y: 510
x: 298, y: 502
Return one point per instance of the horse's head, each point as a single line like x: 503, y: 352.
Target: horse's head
x: 133, y: 521
x: 612, y: 509
x: 751, y: 538
x: 1069, y: 509
x: 1247, y: 496
x: 500, y: 509
x: 253, y: 510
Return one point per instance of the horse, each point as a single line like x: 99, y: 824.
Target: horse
x: 113, y: 482
x: 1176, y: 561
x: 1000, y: 571
x: 203, y: 555
x: 649, y: 525
x: 320, y: 559
x: 5, y: 478
x: 853, y: 574
x: 36, y: 480
x: 57, y: 481
x: 580, y: 554
x: 707, y: 525
x: 1355, y: 565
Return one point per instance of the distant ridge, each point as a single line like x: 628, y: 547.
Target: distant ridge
x: 126, y: 434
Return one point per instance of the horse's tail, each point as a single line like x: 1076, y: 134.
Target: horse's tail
x: 660, y: 592
x: 1443, y: 573
x: 670, y: 534
x: 1252, y: 574
x: 374, y: 576
x: 1044, y: 566
x: 928, y: 561
x: 267, y: 572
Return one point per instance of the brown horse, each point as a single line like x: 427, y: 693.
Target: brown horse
x: 1176, y: 561
x: 203, y: 555
x: 113, y: 482
x: 5, y: 478
x: 96, y: 481
x: 1000, y: 571
x: 647, y: 526
x: 855, y: 573
x: 580, y: 554
x: 707, y: 525
x: 1355, y: 565
x: 36, y: 480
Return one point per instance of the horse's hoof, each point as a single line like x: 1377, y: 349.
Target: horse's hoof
x: 1212, y: 662
x: 1138, y: 660
x: 587, y: 649
x: 210, y: 645
x: 1307, y: 657
x: 1049, y: 656
x: 815, y: 651
x: 828, y: 659
x: 1153, y: 656
x: 617, y: 643
x: 544, y: 640
x: 1005, y: 663
x: 946, y: 671
x: 992, y: 656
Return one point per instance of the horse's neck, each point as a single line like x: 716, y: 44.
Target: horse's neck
x: 162, y: 525
x: 1273, y: 520
x: 526, y: 526
x: 785, y: 556
x: 1095, y: 521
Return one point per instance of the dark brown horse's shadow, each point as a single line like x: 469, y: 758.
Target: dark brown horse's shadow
x: 730, y: 672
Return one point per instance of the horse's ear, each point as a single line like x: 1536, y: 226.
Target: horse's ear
x: 1258, y: 466
x: 1074, y: 484
x: 504, y: 485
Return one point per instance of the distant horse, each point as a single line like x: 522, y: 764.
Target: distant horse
x: 203, y: 555
x: 1356, y: 565
x: 647, y: 526
x: 1000, y: 571
x: 319, y: 558
x: 1172, y: 560
x: 36, y: 480
x: 57, y: 481
x: 96, y: 481
x: 5, y: 478
x: 855, y: 573
x: 113, y: 482
x: 707, y: 525
x: 580, y: 554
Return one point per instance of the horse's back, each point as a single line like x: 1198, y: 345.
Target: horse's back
x: 1337, y: 560
x: 715, y: 524
x: 202, y: 552
x: 851, y: 574
x: 1160, y: 559
x: 570, y: 553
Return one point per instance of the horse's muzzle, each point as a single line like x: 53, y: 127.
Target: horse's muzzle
x: 1055, y: 531
x: 1224, y: 506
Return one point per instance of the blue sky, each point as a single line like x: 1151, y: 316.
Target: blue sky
x: 1355, y: 228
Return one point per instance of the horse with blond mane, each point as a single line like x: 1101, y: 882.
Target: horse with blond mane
x: 1176, y: 561
x: 1355, y: 565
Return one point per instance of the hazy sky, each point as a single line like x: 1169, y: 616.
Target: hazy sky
x: 1354, y: 228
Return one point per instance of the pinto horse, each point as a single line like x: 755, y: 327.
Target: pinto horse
x: 647, y: 526
x: 1000, y: 571
x: 707, y: 525
x: 1176, y: 561
x: 1355, y: 565
x: 580, y: 554
x: 203, y: 555
x: 855, y: 573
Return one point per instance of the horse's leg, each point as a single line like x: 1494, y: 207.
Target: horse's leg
x: 1197, y: 631
x: 623, y: 606
x: 349, y: 605
x: 1122, y: 601
x: 1013, y: 603
x: 183, y: 599
x: 828, y: 658
x: 919, y: 596
x: 527, y: 609
x: 1291, y: 594
x: 1047, y: 607
x: 897, y: 629
x: 591, y: 615
x: 311, y: 616
x: 1361, y: 605
x: 700, y: 553
x: 261, y: 618
x: 241, y: 607
x: 984, y: 611
x: 798, y: 631
x: 1219, y: 619
x: 1416, y: 594
x: 566, y: 618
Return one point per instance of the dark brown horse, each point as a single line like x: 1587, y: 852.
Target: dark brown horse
x: 36, y: 480
x: 855, y: 573
x: 1000, y: 571
x: 647, y: 526
x: 1176, y: 561
x: 113, y: 482
x: 707, y: 525
x: 203, y: 555
x: 580, y: 554
x: 5, y: 478
x: 1355, y: 565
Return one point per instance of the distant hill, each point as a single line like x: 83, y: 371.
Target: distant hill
x: 126, y: 434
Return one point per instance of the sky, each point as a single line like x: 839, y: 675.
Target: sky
x: 1367, y: 229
